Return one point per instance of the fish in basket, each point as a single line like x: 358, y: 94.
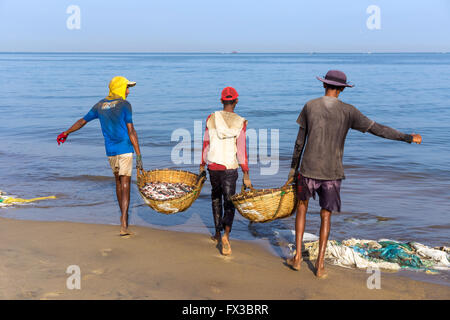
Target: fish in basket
x: 169, y: 191
x: 264, y: 205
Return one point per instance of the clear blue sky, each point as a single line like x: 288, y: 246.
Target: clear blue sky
x: 224, y: 26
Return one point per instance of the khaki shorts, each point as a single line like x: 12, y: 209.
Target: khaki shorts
x: 122, y: 164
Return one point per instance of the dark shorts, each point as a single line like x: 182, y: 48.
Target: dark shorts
x: 329, y: 192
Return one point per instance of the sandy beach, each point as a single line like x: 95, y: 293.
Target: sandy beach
x: 156, y: 264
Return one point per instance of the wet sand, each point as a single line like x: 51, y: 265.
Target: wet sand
x: 157, y: 264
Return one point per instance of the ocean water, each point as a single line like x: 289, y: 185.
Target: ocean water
x: 393, y: 190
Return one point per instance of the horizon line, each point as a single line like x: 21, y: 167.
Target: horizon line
x: 231, y: 52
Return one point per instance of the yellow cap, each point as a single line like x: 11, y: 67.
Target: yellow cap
x: 118, y: 87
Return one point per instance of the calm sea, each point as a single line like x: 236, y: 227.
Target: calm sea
x: 393, y: 190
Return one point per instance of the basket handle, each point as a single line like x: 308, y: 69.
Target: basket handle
x: 140, y: 171
x: 201, y: 177
x: 244, y: 188
x: 290, y: 180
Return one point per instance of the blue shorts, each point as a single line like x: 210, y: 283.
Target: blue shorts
x: 329, y: 192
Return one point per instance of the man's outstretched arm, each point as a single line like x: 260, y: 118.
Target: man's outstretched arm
x: 361, y: 123
x: 392, y: 134
x: 76, y: 126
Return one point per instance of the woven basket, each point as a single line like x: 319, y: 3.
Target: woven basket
x: 266, y: 205
x: 173, y: 205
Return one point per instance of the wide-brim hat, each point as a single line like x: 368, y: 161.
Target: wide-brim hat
x: 335, y: 78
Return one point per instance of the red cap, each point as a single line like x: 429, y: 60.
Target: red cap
x: 229, y: 93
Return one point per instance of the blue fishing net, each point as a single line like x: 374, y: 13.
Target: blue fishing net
x: 391, y: 251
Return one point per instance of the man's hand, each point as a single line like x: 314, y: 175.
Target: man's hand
x: 292, y: 173
x: 62, y: 138
x: 201, y: 169
x: 417, y: 138
x: 246, y: 180
x: 139, y: 162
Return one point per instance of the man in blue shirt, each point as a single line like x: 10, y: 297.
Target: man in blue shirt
x: 115, y: 116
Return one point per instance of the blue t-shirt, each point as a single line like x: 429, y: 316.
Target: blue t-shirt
x: 114, y: 116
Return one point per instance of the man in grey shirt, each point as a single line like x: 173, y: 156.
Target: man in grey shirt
x: 324, y: 124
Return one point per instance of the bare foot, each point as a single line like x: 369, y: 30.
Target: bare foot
x: 321, y: 273
x: 125, y: 232
x: 226, y: 248
x: 294, y: 263
x: 216, y: 238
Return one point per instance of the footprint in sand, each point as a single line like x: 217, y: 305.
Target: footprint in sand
x: 87, y: 276
x: 98, y: 271
x: 216, y: 290
x: 94, y: 273
x: 225, y: 258
x: 29, y: 294
x: 44, y: 262
x: 215, y: 286
x: 50, y: 295
x: 105, y: 252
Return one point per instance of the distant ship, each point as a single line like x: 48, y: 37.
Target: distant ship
x: 234, y: 52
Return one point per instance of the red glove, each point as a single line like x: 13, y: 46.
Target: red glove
x: 62, y: 138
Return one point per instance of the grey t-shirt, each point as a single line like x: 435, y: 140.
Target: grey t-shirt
x: 327, y: 121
